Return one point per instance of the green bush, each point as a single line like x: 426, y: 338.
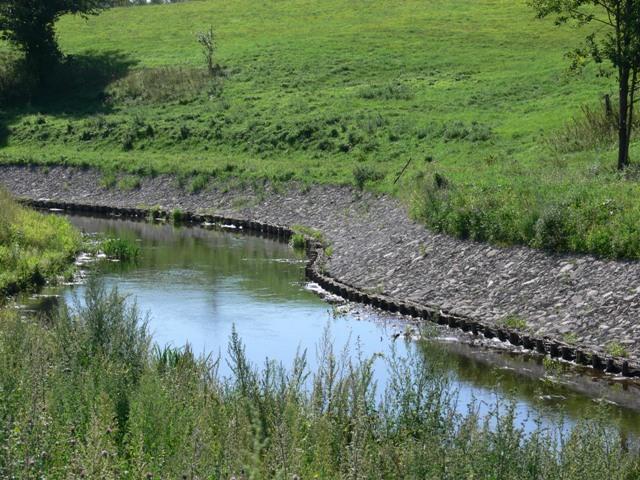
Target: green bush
x: 390, y: 91
x: 199, y: 183
x: 177, y: 216
x: 160, y: 84
x: 298, y: 241
x: 16, y: 83
x: 617, y: 349
x: 553, y: 229
x: 580, y: 220
x: 108, y: 180
x: 129, y: 183
x: 363, y: 174
x: 475, y: 132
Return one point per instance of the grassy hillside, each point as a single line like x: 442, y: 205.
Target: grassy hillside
x: 477, y: 92
x: 33, y: 247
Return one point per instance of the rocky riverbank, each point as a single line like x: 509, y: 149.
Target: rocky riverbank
x: 575, y: 299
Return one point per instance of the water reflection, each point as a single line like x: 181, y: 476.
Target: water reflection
x: 197, y: 284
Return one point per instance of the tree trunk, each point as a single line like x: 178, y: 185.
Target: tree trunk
x: 623, y: 127
x: 41, y: 50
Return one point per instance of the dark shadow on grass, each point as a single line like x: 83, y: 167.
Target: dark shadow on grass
x: 74, y: 89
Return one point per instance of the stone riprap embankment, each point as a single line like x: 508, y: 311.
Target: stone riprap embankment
x: 578, y: 299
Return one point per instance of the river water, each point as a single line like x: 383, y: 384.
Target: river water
x: 198, y: 284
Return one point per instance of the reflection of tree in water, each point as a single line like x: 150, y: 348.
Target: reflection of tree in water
x: 255, y: 264
x: 44, y: 306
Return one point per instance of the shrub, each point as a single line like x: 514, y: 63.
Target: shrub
x: 128, y: 140
x: 108, y: 180
x: 616, y: 349
x: 553, y: 229
x: 208, y: 44
x: 184, y: 132
x: 363, y: 174
x: 309, y: 232
x: 475, y: 132
x: 592, y: 128
x: 154, y: 213
x: 129, y: 183
x: 515, y: 321
x: 176, y: 215
x: 16, y: 83
x: 34, y: 248
x: 298, y: 241
x: 161, y: 84
x: 199, y: 183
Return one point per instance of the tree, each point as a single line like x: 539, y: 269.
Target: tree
x: 208, y: 44
x: 617, y: 42
x: 30, y: 24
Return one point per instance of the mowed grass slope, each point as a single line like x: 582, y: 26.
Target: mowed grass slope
x: 307, y: 68
x: 477, y: 92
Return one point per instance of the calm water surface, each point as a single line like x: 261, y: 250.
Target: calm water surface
x: 197, y: 284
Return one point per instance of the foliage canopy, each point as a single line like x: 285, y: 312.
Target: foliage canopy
x: 618, y: 42
x: 30, y: 25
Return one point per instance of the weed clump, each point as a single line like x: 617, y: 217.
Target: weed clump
x: 362, y: 174
x: 616, y: 349
x: 108, y: 180
x: 129, y: 183
x: 475, y: 132
x: 309, y: 232
x: 592, y: 128
x: 579, y: 221
x: 298, y: 241
x: 177, y: 216
x: 161, y: 84
x: 389, y: 91
x: 199, y: 183
x: 553, y: 229
x: 515, y: 321
x: 121, y: 249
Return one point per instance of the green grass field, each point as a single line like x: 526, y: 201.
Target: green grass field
x: 477, y: 92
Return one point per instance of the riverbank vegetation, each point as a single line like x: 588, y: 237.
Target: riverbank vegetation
x: 34, y: 248
x: 121, y: 249
x: 475, y: 94
x: 85, y: 395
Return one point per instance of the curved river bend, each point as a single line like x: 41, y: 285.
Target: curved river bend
x: 197, y: 284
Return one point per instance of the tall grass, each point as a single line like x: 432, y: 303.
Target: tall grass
x: 84, y: 396
x: 163, y: 84
x: 120, y: 249
x: 580, y: 219
x: 33, y: 247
